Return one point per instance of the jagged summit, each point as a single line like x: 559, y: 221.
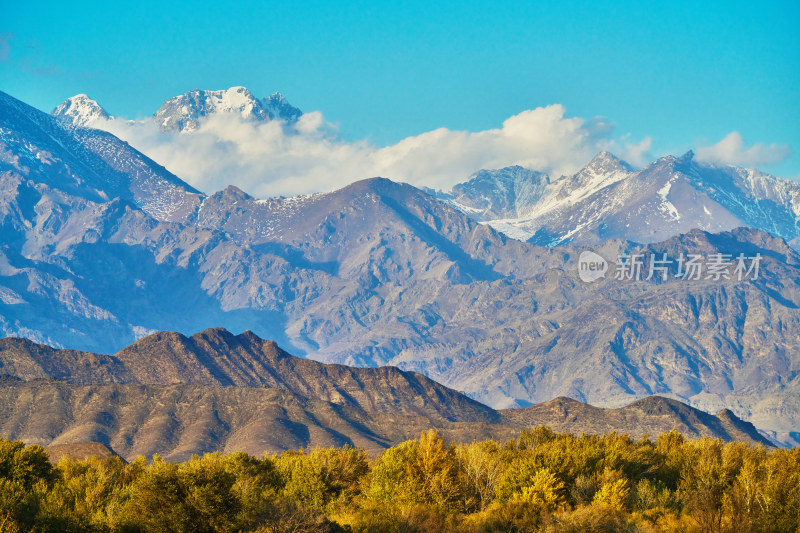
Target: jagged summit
x: 508, y: 194
x: 607, y: 162
x: 277, y: 98
x: 183, y: 112
x: 671, y: 160
x: 79, y: 110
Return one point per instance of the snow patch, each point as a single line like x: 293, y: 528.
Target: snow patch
x: 666, y: 206
x: 510, y: 230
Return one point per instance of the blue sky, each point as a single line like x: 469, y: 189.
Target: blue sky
x: 684, y: 74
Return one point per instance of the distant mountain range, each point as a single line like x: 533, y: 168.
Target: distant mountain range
x: 215, y: 391
x: 608, y: 199
x: 101, y: 246
x: 184, y: 112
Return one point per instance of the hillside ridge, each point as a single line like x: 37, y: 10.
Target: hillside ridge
x: 200, y: 401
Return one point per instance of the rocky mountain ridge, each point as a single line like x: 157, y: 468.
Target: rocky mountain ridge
x: 183, y: 113
x: 178, y: 396
x: 608, y: 199
x: 217, y: 358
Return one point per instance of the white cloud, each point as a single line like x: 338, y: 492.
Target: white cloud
x: 264, y: 159
x: 732, y: 151
x: 637, y: 154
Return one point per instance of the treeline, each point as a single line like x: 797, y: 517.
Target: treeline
x: 541, y: 481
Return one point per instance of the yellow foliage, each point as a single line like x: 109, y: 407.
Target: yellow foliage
x: 544, y: 481
x: 613, y: 494
x: 545, y: 489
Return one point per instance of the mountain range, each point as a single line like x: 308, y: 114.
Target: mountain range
x: 213, y: 391
x: 102, y: 246
x: 183, y: 113
x: 608, y: 199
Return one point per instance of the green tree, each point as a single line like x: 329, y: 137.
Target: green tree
x: 23, y: 464
x: 25, y: 473
x: 195, y: 496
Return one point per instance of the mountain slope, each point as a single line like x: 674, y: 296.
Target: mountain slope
x: 497, y: 194
x: 90, y: 166
x: 177, y: 421
x: 26, y: 360
x: 79, y: 451
x: 70, y: 198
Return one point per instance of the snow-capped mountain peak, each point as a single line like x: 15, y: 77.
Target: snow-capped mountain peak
x: 675, y: 162
x: 184, y: 112
x: 607, y: 162
x: 276, y: 97
x: 603, y: 170
x: 608, y: 199
x: 79, y: 110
